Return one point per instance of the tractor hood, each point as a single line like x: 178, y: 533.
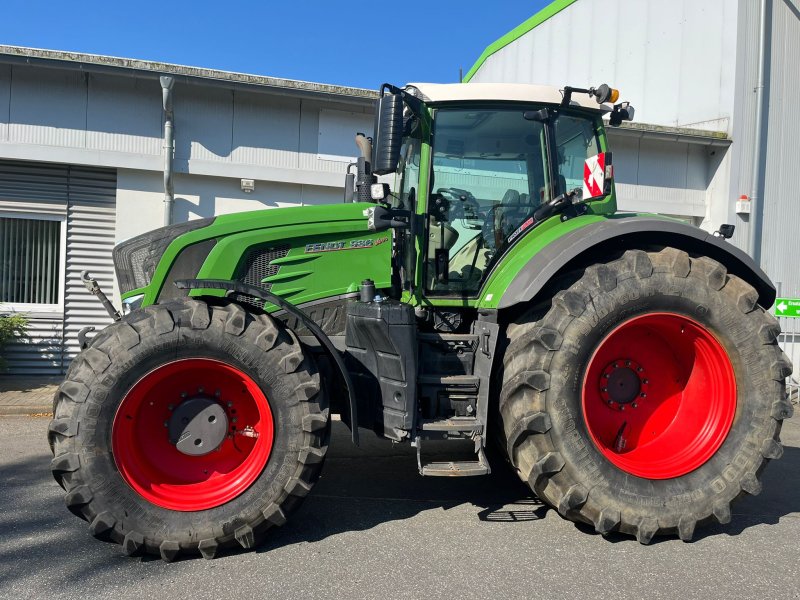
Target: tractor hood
x: 300, y: 253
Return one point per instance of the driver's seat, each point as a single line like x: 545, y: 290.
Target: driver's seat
x: 513, y: 209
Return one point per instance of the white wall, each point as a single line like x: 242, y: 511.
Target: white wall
x: 140, y: 198
x: 675, y: 61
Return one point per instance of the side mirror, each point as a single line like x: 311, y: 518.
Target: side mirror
x: 597, y: 175
x: 388, y: 134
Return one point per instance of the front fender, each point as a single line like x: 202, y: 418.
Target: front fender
x: 597, y: 240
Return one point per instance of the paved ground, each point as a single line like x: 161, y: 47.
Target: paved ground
x: 27, y: 395
x: 373, y: 528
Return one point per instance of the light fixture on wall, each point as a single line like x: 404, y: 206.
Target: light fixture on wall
x: 743, y: 205
x: 248, y: 185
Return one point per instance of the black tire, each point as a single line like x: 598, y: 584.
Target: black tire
x: 98, y: 380
x: 543, y: 428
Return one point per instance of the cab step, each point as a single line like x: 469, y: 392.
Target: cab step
x: 458, y: 468
x: 453, y: 425
x: 455, y: 468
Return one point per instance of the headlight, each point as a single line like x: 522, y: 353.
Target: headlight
x: 136, y: 260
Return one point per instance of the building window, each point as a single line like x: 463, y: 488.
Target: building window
x: 31, y: 262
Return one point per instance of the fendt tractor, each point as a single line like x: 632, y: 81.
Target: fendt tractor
x: 624, y: 365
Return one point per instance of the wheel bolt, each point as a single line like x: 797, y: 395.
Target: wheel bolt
x: 217, y: 393
x: 171, y: 407
x: 166, y: 423
x: 627, y: 363
x: 643, y: 395
x: 184, y: 394
x: 230, y: 404
x: 603, y: 389
x: 622, y: 407
x: 234, y: 419
x: 645, y: 381
x: 640, y: 369
x: 634, y: 405
x: 199, y: 390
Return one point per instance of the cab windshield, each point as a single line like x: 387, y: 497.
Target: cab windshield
x: 490, y: 173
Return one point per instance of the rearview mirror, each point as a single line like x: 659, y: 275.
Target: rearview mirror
x: 388, y: 134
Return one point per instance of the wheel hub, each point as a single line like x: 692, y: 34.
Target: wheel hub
x: 623, y: 383
x: 198, y: 426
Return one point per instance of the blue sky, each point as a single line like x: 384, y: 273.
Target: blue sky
x: 349, y: 43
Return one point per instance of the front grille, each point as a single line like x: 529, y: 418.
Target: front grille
x: 255, y: 267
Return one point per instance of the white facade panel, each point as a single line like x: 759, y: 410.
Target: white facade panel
x: 661, y: 177
x: 203, y: 123
x: 48, y: 107
x: 337, y: 132
x: 308, y: 155
x: 124, y: 115
x: 672, y: 60
x: 266, y: 131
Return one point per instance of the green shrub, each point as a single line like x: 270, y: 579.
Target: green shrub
x: 11, y: 326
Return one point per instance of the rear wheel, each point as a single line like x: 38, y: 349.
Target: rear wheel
x: 647, y: 396
x: 186, y: 428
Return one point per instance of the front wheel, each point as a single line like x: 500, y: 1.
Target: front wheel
x: 189, y: 427
x: 647, y: 397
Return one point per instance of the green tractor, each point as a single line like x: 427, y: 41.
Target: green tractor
x: 625, y: 365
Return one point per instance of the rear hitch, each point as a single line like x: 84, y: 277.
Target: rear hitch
x: 94, y: 287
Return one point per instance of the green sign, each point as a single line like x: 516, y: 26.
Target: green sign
x: 787, y: 307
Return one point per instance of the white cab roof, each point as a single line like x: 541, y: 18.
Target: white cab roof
x: 510, y: 92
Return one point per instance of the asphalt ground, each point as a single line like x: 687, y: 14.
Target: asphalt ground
x: 373, y: 528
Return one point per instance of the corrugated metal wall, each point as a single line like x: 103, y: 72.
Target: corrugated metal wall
x: 780, y: 251
x: 86, y: 198
x: 90, y: 240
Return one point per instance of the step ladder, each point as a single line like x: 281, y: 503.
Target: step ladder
x: 452, y: 468
x: 472, y: 427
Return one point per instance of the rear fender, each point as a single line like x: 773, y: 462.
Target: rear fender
x: 589, y: 244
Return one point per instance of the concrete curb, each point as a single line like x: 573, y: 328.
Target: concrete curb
x: 16, y: 410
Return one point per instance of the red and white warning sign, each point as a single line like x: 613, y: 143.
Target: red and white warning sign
x: 595, y: 171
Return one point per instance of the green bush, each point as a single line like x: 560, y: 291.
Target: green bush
x: 11, y: 326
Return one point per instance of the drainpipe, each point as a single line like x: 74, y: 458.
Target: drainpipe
x: 169, y: 147
x: 757, y: 193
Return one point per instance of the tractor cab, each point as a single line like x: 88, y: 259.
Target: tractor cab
x: 480, y: 165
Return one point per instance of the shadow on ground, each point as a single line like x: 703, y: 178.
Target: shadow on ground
x: 360, y: 489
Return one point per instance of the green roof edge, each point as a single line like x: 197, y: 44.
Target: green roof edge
x: 540, y: 17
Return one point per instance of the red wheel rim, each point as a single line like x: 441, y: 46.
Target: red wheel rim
x: 165, y: 476
x: 659, y: 396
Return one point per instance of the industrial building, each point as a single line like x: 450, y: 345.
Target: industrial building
x: 82, y: 162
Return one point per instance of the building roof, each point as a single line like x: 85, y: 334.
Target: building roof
x: 146, y: 68
x: 514, y: 92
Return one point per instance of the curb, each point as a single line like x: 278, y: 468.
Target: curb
x: 16, y: 410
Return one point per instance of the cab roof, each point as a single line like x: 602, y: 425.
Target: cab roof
x: 509, y: 92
